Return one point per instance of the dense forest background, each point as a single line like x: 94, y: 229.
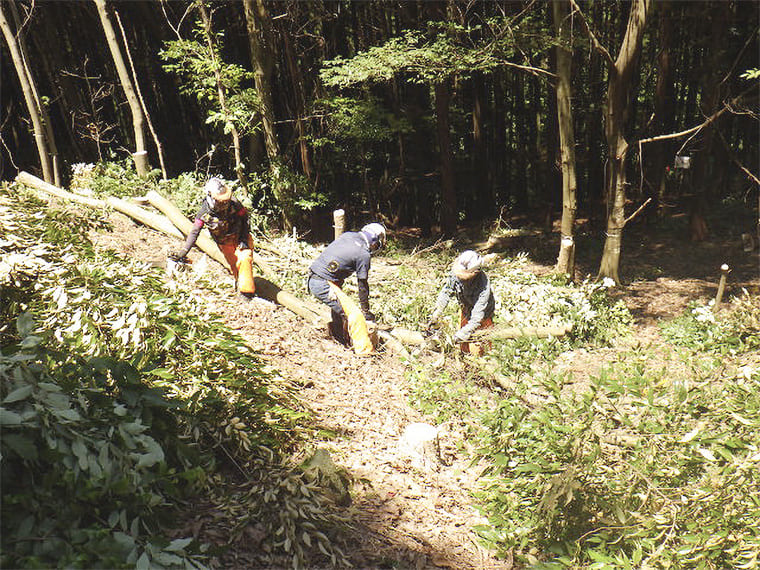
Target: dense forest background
x: 425, y: 114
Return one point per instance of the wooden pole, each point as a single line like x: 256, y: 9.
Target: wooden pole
x: 724, y: 271
x: 339, y: 222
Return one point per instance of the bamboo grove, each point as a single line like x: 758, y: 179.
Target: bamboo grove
x: 427, y: 114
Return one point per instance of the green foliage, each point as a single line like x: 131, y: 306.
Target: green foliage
x: 425, y: 58
x: 359, y: 121
x: 121, y: 396
x: 185, y: 191
x: 204, y: 74
x: 640, y: 471
x: 441, y: 396
x: 118, y: 178
x: 737, y: 329
x: 526, y: 300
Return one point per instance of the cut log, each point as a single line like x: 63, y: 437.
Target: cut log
x: 407, y: 336
x: 501, y: 333
x: 393, y: 344
x: 268, y: 290
x: 151, y: 219
x: 38, y: 184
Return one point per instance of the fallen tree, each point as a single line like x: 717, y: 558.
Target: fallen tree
x: 175, y: 224
x: 151, y: 219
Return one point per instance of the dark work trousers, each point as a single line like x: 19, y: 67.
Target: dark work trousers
x: 320, y: 288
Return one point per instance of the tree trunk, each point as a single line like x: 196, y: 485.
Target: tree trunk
x: 260, y: 38
x: 46, y: 124
x: 566, y: 257
x: 664, y: 120
x: 239, y: 170
x: 448, y: 193
x: 27, y: 88
x: 616, y: 114
x: 140, y: 155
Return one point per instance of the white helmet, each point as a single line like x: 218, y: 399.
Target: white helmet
x: 467, y: 264
x: 375, y: 234
x: 218, y: 190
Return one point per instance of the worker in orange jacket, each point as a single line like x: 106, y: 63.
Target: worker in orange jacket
x: 228, y: 223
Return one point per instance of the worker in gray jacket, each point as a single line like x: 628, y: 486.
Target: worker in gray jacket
x: 472, y: 288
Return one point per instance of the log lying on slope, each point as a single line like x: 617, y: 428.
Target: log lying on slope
x: 501, y: 333
x: 407, y: 336
x: 151, y: 219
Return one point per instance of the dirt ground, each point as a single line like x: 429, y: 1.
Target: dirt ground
x: 410, y: 517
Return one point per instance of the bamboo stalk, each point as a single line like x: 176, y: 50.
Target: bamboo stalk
x: 38, y: 184
x: 500, y: 333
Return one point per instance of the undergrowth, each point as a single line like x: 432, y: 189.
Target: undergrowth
x: 122, y: 399
x: 652, y: 465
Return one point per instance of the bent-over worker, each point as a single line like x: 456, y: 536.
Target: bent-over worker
x: 227, y: 221
x: 472, y: 288
x: 350, y: 252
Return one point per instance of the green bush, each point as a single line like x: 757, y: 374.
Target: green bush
x: 639, y: 471
x: 121, y: 397
x: 735, y: 329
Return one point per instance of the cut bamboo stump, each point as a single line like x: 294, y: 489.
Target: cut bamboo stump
x: 339, y: 222
x: 724, y: 271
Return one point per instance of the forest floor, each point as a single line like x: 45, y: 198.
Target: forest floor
x: 407, y: 517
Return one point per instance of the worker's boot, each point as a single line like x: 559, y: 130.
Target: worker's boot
x: 338, y: 332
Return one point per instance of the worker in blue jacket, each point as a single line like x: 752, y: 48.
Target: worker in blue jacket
x: 350, y: 253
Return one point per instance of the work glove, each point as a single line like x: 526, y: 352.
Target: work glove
x: 177, y: 256
x: 459, y: 337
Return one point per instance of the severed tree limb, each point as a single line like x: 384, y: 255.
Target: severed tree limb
x: 151, y: 219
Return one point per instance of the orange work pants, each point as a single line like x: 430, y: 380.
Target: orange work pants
x: 475, y: 348
x: 228, y: 250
